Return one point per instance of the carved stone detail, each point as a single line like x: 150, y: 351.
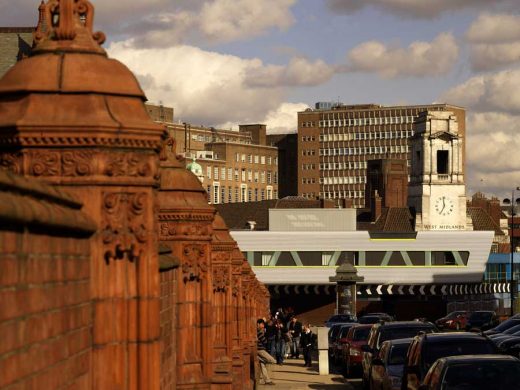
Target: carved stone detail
x: 220, y: 278
x: 124, y: 229
x: 167, y: 230
x: 12, y: 162
x: 77, y: 163
x: 194, y: 264
x: 128, y: 164
x: 44, y: 163
x: 235, y: 286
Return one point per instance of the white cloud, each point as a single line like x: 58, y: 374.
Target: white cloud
x: 487, y: 93
x: 299, y: 72
x: 226, y: 20
x: 492, y: 142
x: 209, y: 88
x: 425, y: 9
x: 419, y: 59
x: 494, y: 28
x: 494, y: 41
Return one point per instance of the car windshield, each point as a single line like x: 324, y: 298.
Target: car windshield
x: 437, y: 350
x: 453, y: 315
x: 480, y: 316
x: 512, y: 330
x: 344, y: 331
x: 402, y: 333
x: 361, y: 334
x: 334, y: 332
x: 398, y: 354
x: 482, y: 375
x: 507, y: 324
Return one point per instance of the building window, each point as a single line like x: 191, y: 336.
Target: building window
x: 262, y: 160
x: 249, y: 158
x: 215, y: 194
x: 256, y: 159
x: 262, y: 177
x: 223, y: 194
x: 262, y: 194
x: 250, y: 195
x: 243, y: 158
x: 215, y: 173
x: 237, y: 195
x: 442, y: 161
x: 249, y: 175
x: 275, y: 194
x: 237, y: 157
x: 268, y: 177
x: 243, y: 174
x: 256, y: 194
x: 208, y: 172
x: 269, y: 193
x: 222, y: 173
x: 256, y: 176
x: 229, y: 194
x: 208, y: 193
x: 243, y: 194
x: 276, y: 178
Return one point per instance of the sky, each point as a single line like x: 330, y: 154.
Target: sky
x: 224, y: 62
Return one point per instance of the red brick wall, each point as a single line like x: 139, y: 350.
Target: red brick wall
x: 168, y: 324
x: 45, y: 311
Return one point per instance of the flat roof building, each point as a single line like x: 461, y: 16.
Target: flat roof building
x: 336, y: 141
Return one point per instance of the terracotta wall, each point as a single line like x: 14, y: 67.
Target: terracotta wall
x: 167, y: 322
x: 45, y: 306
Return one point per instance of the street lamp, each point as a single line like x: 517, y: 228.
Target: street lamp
x: 512, y: 287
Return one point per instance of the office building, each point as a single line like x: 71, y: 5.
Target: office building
x: 237, y: 166
x: 336, y: 143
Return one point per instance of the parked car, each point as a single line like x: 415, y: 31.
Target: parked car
x: 387, y: 366
x: 338, y: 344
x: 455, y: 320
x: 505, y: 345
x: 509, y: 323
x: 513, y: 331
x: 481, y: 372
x: 357, y: 336
x: 482, y: 320
x: 373, y: 318
x: 427, y: 348
x: 333, y: 336
x: 388, y: 331
x: 340, y: 318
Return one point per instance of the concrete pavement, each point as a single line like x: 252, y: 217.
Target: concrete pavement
x: 293, y: 375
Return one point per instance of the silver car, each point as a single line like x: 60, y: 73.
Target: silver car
x: 387, y: 366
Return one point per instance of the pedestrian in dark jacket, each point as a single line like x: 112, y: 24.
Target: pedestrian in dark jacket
x: 307, y: 341
x: 295, y: 330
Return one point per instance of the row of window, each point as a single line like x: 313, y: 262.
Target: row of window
x: 222, y: 194
x: 308, y: 138
x: 255, y: 159
x: 308, y: 167
x: 309, y: 180
x: 309, y: 195
x: 367, y: 135
x: 308, y: 124
x: 343, y: 180
x: 308, y: 152
x: 355, y: 151
x: 344, y: 165
x: 387, y: 120
x: 242, y: 175
x: 342, y: 194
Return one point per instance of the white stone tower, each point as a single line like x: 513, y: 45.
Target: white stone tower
x: 437, y: 191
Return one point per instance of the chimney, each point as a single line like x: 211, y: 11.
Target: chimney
x: 376, y: 206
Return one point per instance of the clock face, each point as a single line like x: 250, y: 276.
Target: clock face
x: 444, y: 205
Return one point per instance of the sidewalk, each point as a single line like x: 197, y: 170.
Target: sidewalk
x: 293, y: 375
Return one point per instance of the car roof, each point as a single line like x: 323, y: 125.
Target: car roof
x: 434, y: 337
x: 401, y: 324
x: 361, y: 326
x: 483, y: 311
x: 470, y: 358
x: 400, y: 341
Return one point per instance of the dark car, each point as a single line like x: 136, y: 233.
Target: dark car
x: 340, y: 318
x: 509, y: 323
x: 387, y: 366
x: 484, y: 372
x: 373, y: 318
x: 389, y: 331
x: 482, y: 320
x: 338, y: 343
x: 514, y: 331
x: 427, y: 348
x: 357, y: 336
x: 455, y: 320
x: 505, y: 345
x: 333, y: 336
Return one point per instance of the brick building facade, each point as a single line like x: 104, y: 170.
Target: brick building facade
x: 335, y: 144
x: 237, y: 166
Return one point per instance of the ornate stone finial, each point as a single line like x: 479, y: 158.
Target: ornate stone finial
x: 67, y: 25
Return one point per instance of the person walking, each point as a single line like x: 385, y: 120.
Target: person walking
x: 295, y: 330
x: 307, y: 340
x: 263, y: 356
x: 280, y: 335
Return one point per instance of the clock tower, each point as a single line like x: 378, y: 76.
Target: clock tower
x: 437, y: 191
